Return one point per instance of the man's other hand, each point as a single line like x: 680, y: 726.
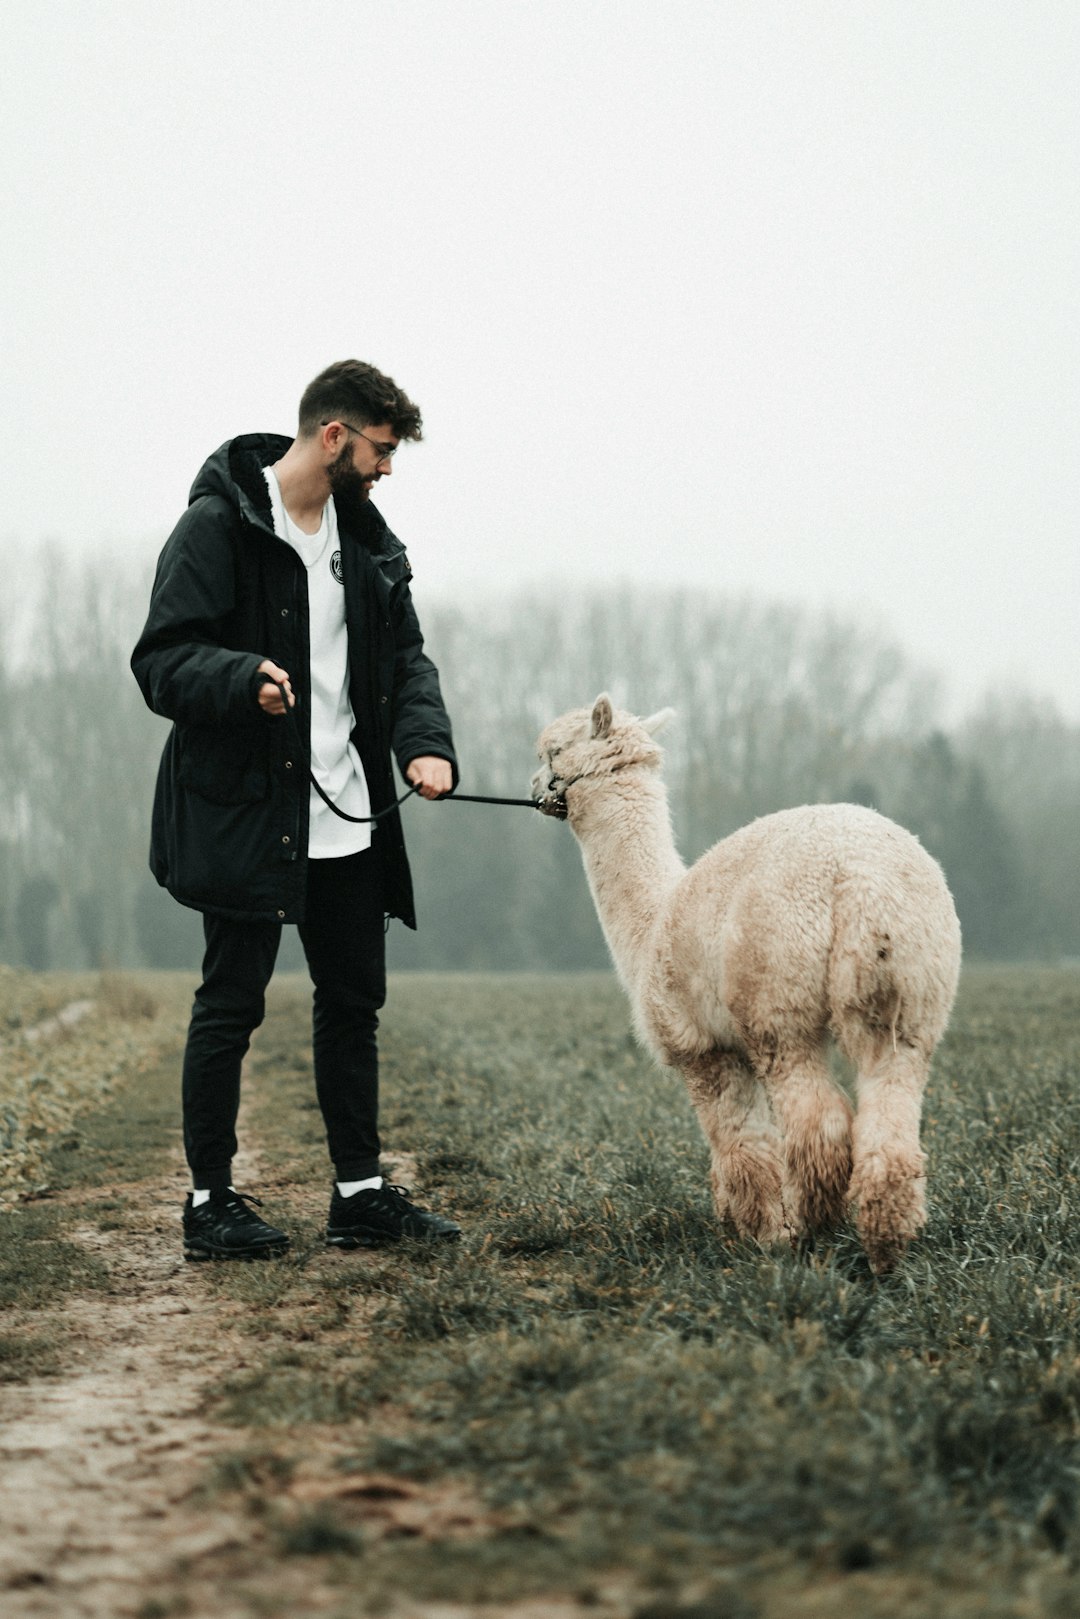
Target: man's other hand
x: 433, y: 776
x: 269, y: 696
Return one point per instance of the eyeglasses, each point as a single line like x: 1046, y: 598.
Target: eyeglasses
x: 387, y: 452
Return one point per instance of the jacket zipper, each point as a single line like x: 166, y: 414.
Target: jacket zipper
x: 303, y: 785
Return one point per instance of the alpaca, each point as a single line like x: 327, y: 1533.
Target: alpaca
x: 818, y: 922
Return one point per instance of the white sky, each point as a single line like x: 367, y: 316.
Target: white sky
x: 750, y: 295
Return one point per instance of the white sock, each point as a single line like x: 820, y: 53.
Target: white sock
x: 347, y: 1188
x: 201, y: 1195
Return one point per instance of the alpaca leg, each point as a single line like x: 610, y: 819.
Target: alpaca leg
x: 816, y: 1120
x: 888, y: 1183
x: 747, y: 1164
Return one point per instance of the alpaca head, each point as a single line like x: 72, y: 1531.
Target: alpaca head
x: 590, y: 744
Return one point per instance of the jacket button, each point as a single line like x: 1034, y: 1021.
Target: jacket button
x: 382, y: 699
x: 281, y: 916
x: 288, y: 764
x: 284, y: 612
x: 285, y: 839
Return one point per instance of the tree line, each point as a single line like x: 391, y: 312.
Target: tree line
x: 776, y: 705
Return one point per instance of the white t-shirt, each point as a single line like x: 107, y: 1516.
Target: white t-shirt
x: 335, y: 763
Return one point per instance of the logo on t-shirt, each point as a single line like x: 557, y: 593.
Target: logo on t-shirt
x: 336, y: 568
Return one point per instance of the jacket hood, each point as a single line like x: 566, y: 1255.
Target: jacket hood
x: 235, y: 473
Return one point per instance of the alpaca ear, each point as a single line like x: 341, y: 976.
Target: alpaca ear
x: 601, y: 716
x: 659, y: 721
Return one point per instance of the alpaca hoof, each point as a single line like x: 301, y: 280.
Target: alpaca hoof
x: 890, y: 1199
x: 761, y: 1222
x: 752, y: 1193
x: 884, y: 1256
x: 754, y: 1221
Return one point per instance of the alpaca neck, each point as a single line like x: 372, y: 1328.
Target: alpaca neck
x: 631, y: 863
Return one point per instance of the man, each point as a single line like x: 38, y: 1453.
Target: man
x: 283, y: 644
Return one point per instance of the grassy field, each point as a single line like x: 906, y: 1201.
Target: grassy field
x: 614, y: 1390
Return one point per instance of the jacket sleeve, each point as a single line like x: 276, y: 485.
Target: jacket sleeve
x: 421, y: 723
x: 182, y: 663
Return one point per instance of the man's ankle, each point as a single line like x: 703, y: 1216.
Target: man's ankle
x: 203, y: 1194
x: 350, y: 1188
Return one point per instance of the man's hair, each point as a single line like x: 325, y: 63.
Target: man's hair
x: 354, y: 390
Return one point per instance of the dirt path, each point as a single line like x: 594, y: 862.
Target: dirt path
x: 103, y: 1507
x: 103, y: 1468
x: 99, y: 1464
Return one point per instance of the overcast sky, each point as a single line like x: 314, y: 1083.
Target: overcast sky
x: 757, y: 296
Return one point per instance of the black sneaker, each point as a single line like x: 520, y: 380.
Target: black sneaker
x: 225, y: 1228
x: 367, y: 1219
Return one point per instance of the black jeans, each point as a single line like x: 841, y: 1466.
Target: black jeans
x: 344, y: 942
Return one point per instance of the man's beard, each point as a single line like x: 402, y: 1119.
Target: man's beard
x: 348, y: 487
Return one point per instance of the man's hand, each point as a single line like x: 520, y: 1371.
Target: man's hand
x: 269, y: 696
x: 433, y: 776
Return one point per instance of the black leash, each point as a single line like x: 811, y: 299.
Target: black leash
x: 446, y: 798
x: 475, y: 798
x: 356, y: 819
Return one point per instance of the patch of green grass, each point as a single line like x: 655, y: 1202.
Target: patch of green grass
x: 318, y: 1533
x: 296, y: 1385
x: 23, y: 1356
x: 177, y: 1607
x: 511, y: 1564
x: 38, y: 1266
x: 249, y: 1471
x: 126, y: 1140
x: 705, y: 1446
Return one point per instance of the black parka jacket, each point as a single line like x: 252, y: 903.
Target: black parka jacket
x: 230, y: 822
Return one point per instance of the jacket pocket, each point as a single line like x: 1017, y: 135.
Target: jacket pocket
x: 225, y: 764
